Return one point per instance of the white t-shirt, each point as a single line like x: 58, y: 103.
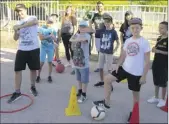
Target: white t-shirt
x: 28, y: 37
x: 135, y: 51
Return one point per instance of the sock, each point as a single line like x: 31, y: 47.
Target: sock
x: 18, y: 91
x: 84, y: 94
x: 80, y: 90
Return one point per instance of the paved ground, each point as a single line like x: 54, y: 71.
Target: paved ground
x: 53, y: 98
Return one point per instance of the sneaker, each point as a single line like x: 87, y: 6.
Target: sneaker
x: 153, y: 100
x: 78, y: 94
x: 68, y: 65
x: 15, y: 96
x: 99, y: 84
x: 73, y: 72
x: 101, y: 103
x: 161, y: 103
x: 129, y: 117
x: 38, y: 79
x: 33, y: 90
x: 97, y: 70
x: 82, y: 99
x: 49, y: 79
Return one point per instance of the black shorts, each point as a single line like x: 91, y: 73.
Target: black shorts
x: 133, y: 81
x: 160, y: 76
x: 32, y: 58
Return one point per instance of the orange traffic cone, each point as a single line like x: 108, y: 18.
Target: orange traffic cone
x: 135, y: 114
x: 165, y: 108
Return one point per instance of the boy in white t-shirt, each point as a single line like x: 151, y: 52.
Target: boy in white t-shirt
x: 135, y: 61
x: 26, y: 31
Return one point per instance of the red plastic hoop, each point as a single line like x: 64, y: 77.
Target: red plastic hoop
x: 17, y: 110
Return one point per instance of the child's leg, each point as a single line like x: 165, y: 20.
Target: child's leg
x: 108, y: 79
x: 136, y: 97
x: 109, y: 61
x: 157, y: 91
x: 164, y: 89
x: 50, y: 53
x: 78, y: 78
x: 42, y: 59
x: 85, y: 80
x: 101, y: 66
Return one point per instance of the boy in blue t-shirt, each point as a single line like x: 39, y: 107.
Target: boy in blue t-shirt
x: 108, y: 36
x: 47, y: 35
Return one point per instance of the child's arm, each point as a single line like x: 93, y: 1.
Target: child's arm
x: 117, y: 45
x: 42, y: 37
x: 122, y: 58
x: 146, y: 67
x: 30, y: 23
x: 117, y: 41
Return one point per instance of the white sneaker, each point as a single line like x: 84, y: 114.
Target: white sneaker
x: 161, y: 103
x: 67, y: 65
x: 82, y: 99
x: 153, y: 100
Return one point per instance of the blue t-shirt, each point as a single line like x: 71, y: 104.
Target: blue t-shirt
x: 44, y: 30
x: 107, y: 38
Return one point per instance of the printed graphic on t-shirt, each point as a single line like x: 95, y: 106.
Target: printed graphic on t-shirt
x: 106, y: 41
x: 26, y: 37
x: 132, y: 49
x: 78, y: 58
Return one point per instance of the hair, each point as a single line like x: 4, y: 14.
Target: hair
x: 164, y: 23
x: 72, y: 11
x: 126, y: 25
x: 99, y: 2
x: 56, y: 15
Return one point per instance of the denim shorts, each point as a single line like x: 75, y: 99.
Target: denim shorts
x: 46, y: 51
x: 82, y: 75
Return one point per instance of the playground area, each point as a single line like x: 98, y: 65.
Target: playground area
x: 49, y: 106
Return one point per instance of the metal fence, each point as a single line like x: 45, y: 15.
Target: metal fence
x: 150, y: 14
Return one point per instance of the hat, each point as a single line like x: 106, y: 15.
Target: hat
x: 107, y: 16
x: 50, y: 20
x: 20, y: 7
x: 83, y: 23
x: 135, y: 21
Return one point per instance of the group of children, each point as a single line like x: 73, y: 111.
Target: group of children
x: 133, y: 64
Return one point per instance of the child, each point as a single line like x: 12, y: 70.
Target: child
x: 108, y: 36
x: 160, y: 65
x: 80, y: 44
x: 136, y: 51
x: 47, y: 35
x: 58, y: 36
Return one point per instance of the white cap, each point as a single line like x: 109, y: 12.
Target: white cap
x: 83, y: 23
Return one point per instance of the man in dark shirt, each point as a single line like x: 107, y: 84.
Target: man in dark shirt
x: 98, y: 22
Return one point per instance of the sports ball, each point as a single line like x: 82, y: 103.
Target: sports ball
x: 97, y: 113
x: 60, y: 68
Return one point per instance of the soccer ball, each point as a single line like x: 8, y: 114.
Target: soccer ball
x: 97, y: 113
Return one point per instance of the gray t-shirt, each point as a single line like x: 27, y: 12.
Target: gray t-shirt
x: 81, y: 53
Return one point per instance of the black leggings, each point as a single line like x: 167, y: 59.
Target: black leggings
x: 67, y: 45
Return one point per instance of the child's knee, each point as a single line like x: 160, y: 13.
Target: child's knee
x: 109, y: 78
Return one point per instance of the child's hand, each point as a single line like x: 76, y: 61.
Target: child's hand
x: 142, y: 80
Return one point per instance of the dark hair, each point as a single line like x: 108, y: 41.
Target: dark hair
x: 99, y: 2
x: 164, y: 23
x: 56, y: 15
x: 126, y: 25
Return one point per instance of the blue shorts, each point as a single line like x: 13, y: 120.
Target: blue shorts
x: 46, y: 51
x: 82, y: 75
